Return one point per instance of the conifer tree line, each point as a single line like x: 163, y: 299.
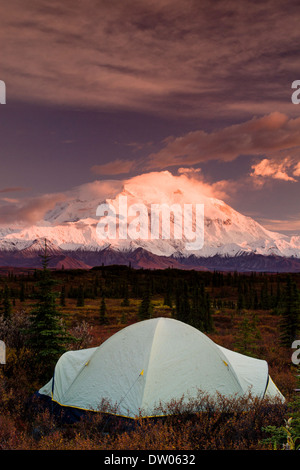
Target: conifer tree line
x: 290, y: 314
x: 193, y: 306
x: 254, y: 291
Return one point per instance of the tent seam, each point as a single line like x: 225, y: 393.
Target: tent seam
x: 149, y: 359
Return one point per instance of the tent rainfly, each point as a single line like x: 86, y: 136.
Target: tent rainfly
x: 152, y: 362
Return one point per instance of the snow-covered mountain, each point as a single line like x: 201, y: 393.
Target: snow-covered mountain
x: 71, y: 227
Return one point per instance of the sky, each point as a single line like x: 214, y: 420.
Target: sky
x: 105, y: 90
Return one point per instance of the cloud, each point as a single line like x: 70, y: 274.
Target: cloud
x: 32, y: 210
x: 9, y: 199
x: 297, y: 170
x: 274, y: 133
x: 268, y: 168
x: 284, y: 225
x: 163, y: 186
x: 99, y: 190
x: 28, y: 210
x: 153, y: 56
x: 115, y: 167
x: 186, y: 171
x: 12, y: 189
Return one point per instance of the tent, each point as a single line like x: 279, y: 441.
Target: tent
x: 152, y: 362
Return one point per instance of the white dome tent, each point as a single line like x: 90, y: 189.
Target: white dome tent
x: 151, y: 362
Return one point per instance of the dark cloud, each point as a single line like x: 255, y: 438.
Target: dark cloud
x: 159, y: 56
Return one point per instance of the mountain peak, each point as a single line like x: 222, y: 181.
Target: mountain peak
x: 71, y: 225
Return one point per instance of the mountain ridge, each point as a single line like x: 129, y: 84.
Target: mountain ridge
x: 143, y: 259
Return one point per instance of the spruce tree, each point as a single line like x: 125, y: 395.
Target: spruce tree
x: 196, y: 317
x: 248, y: 335
x: 22, y: 292
x: 208, y: 323
x: 168, y: 294
x: 47, y: 335
x: 80, y: 296
x: 241, y: 297
x: 290, y: 317
x: 6, y: 306
x: 145, y: 308
x: 125, y: 302
x: 103, y: 312
x: 183, y: 307
x: 96, y: 286
x: 62, y: 298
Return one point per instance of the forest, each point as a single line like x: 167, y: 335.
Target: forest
x: 45, y: 312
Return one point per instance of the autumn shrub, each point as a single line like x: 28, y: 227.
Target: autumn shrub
x: 9, y: 434
x: 203, y: 423
x: 82, y: 334
x: 12, y: 329
x: 222, y: 424
x: 18, y: 378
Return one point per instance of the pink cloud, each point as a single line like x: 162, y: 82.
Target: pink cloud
x: 31, y: 210
x: 12, y: 189
x: 99, y: 190
x: 271, y: 133
x: 28, y: 210
x: 161, y: 186
x: 297, y: 170
x: 268, y: 168
x: 278, y: 225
